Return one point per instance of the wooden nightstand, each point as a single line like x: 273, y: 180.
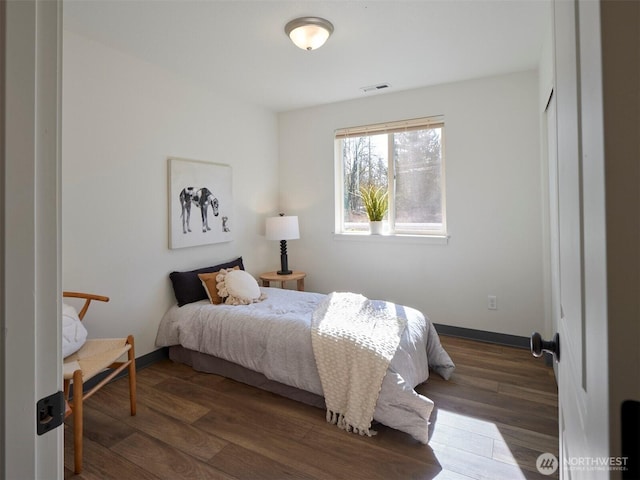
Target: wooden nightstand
x: 269, y: 277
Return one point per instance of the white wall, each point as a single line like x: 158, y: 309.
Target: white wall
x: 122, y: 118
x: 493, y: 194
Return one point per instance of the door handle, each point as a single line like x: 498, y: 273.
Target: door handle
x: 539, y: 346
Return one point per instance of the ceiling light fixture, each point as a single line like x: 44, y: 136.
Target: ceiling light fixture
x: 309, y: 33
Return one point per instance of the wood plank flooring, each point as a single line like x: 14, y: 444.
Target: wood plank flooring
x: 492, y: 420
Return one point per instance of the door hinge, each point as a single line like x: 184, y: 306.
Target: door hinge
x: 49, y: 412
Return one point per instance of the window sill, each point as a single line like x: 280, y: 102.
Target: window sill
x: 392, y: 238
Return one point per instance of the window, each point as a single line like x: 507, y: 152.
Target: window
x: 405, y: 159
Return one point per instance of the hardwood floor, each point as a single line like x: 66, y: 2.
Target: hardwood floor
x: 492, y: 420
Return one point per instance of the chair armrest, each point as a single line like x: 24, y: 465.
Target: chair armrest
x: 87, y: 300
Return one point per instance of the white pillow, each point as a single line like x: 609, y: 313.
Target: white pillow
x: 73, y: 332
x: 238, y: 287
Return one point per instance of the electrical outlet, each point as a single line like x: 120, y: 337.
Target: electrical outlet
x: 492, y: 302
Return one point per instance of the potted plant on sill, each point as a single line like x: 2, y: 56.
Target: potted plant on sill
x: 376, y: 204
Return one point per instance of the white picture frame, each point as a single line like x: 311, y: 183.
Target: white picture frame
x: 195, y: 187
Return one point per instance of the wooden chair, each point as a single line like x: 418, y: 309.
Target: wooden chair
x: 95, y: 356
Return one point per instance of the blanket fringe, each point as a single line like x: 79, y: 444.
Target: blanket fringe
x: 338, y: 419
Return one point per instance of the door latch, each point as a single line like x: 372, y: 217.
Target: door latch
x: 49, y: 412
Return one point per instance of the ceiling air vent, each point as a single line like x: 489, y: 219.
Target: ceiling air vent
x: 375, y: 88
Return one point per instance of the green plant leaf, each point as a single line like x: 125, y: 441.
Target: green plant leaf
x: 376, y: 201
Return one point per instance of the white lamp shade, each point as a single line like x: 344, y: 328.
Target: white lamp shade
x: 309, y: 37
x: 282, y: 228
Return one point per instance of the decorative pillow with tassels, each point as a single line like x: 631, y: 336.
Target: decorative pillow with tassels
x: 238, y: 287
x: 210, y: 284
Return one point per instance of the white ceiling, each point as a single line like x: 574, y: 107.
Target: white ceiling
x: 239, y: 47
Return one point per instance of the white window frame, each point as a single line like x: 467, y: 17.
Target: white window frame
x: 392, y: 229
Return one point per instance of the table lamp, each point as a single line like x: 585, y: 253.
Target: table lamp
x: 283, y: 228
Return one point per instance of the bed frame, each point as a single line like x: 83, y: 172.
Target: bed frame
x: 210, y: 364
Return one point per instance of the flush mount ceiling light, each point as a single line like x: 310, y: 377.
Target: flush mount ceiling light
x: 309, y: 33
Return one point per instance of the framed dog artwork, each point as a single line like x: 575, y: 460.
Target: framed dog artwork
x: 200, y: 203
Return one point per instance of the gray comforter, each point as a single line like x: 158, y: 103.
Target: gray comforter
x: 273, y: 337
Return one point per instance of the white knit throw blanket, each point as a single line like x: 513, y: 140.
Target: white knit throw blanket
x: 353, y: 343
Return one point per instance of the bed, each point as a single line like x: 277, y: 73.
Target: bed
x: 268, y: 344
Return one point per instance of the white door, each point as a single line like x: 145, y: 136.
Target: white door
x: 583, y: 367
x: 32, y: 367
